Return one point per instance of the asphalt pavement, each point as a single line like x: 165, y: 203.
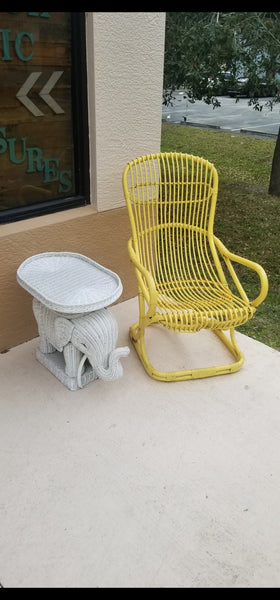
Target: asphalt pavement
x: 232, y: 115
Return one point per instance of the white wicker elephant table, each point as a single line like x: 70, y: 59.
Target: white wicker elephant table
x: 78, y: 333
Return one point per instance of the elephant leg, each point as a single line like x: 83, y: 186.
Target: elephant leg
x: 40, y: 311
x: 72, y: 357
x: 45, y: 346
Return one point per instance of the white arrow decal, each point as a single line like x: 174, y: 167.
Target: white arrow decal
x: 44, y: 94
x: 22, y: 94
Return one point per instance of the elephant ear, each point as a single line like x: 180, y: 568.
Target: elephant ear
x: 62, y: 330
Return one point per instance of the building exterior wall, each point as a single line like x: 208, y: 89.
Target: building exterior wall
x: 125, y: 101
x: 125, y: 54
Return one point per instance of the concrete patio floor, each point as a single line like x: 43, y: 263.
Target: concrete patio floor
x: 139, y: 483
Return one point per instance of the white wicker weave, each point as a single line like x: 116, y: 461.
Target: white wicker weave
x: 77, y: 332
x: 68, y: 282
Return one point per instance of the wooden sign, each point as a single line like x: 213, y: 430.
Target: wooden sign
x: 36, y: 135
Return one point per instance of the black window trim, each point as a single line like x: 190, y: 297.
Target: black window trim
x: 80, y: 135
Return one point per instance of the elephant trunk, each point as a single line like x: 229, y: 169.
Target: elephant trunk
x: 112, y: 372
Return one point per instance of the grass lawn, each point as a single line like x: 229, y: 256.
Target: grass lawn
x: 247, y: 217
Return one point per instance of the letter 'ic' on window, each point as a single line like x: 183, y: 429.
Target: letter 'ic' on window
x: 43, y: 113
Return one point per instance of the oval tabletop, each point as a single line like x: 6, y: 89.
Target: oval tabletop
x: 68, y: 282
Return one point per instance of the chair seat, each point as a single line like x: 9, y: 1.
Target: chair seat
x: 192, y: 305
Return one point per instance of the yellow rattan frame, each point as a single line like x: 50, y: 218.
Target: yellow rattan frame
x: 171, y: 199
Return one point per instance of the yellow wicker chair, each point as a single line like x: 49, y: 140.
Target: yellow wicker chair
x: 171, y: 199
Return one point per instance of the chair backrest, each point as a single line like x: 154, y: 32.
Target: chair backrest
x: 171, y: 199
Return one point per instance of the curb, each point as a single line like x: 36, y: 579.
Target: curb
x: 203, y: 125
x: 219, y: 128
x: 259, y: 133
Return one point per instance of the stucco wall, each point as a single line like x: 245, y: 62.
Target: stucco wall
x: 125, y: 102
x: 125, y: 53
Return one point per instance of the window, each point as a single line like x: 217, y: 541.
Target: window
x: 43, y: 113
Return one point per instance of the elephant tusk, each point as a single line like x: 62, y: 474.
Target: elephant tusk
x: 79, y: 374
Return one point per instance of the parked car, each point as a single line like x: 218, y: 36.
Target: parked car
x: 219, y: 85
x: 244, y: 87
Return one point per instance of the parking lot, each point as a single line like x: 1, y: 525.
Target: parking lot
x: 230, y: 116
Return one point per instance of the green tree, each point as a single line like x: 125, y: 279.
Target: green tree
x: 201, y: 46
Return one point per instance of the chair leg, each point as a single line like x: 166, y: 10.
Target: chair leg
x: 137, y: 334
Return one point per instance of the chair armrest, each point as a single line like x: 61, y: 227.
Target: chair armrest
x: 230, y: 256
x: 149, y: 290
